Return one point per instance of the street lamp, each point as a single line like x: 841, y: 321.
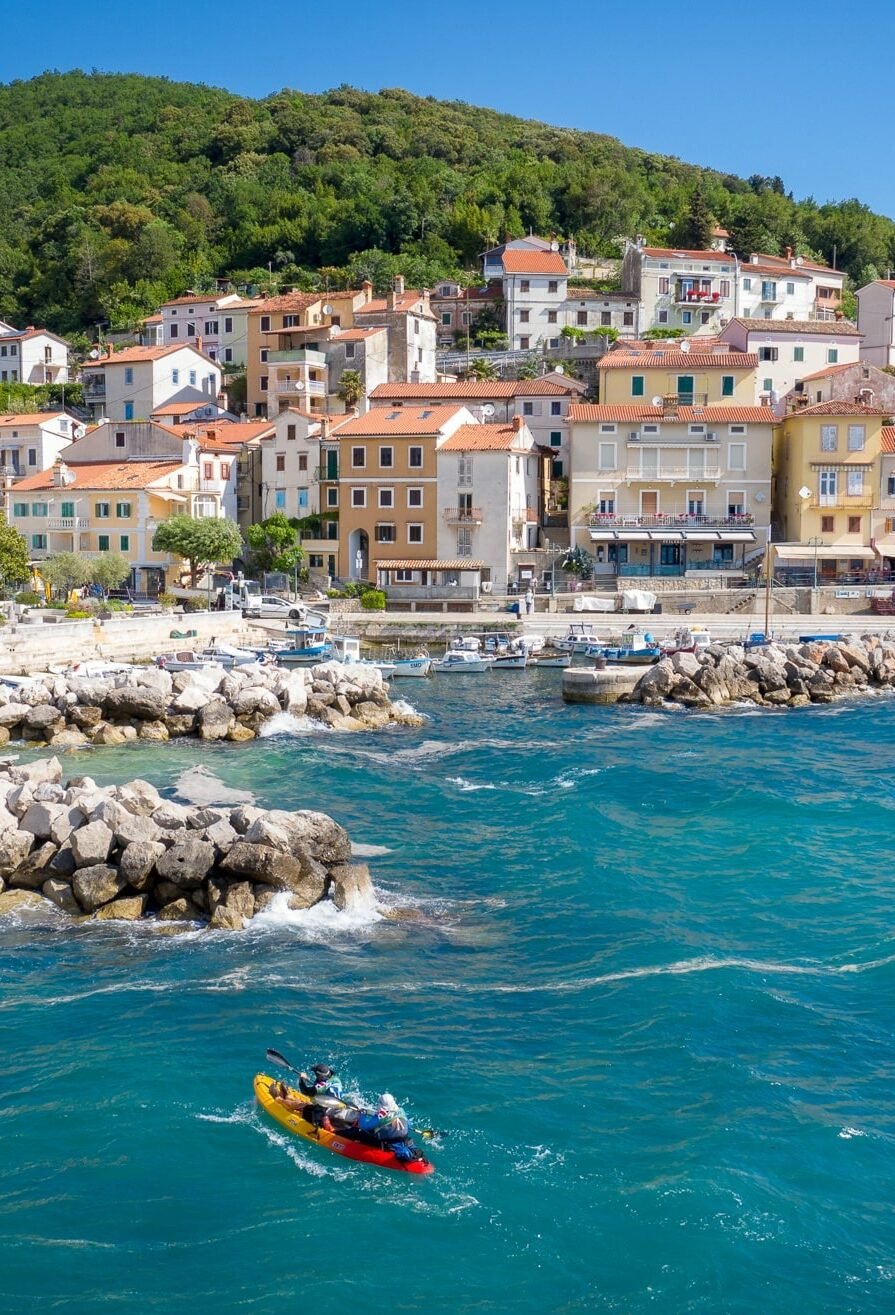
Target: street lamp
x: 815, y: 543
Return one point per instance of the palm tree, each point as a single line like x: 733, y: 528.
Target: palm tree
x: 351, y: 388
x: 481, y: 369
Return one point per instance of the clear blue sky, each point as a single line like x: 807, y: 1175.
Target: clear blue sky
x: 796, y: 89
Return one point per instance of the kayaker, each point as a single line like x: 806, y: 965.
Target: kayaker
x: 324, y: 1088
x: 388, y: 1125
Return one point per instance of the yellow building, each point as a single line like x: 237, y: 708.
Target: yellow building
x: 827, y: 479
x: 685, y: 378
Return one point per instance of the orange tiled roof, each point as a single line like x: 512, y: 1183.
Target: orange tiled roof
x: 104, y: 475
x: 515, y: 261
x: 818, y: 328
x: 31, y: 418
x: 404, y: 301
x: 780, y: 272
x: 835, y: 408
x: 783, y: 262
x: 230, y: 431
x: 676, y: 360
x: 409, y: 420
x: 131, y: 355
x: 591, y: 412
x: 469, y: 389
x: 888, y: 438
x: 686, y: 254
x: 481, y: 438
x: 832, y: 369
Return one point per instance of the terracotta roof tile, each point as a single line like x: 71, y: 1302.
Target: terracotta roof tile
x: 832, y: 369
x: 404, y: 301
x: 469, y: 389
x: 481, y: 438
x: 132, y: 355
x: 104, y: 475
x: 687, y: 254
x: 31, y: 418
x: 782, y: 262
x: 819, y: 328
x: 835, y: 408
x: 516, y: 261
x: 590, y: 413
x: 888, y: 438
x: 408, y: 420
x: 676, y: 360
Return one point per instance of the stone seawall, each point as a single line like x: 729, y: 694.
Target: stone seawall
x: 127, y: 853
x: 71, y: 711
x: 773, y: 675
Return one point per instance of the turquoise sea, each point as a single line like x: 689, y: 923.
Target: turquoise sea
x: 643, y: 977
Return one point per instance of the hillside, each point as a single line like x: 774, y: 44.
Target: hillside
x: 118, y: 191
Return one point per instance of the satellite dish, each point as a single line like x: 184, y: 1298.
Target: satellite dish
x: 335, y: 330
x: 804, y: 492
x: 800, y: 260
x: 94, y: 355
x: 685, y: 346
x: 560, y: 369
x: 327, y: 309
x: 488, y: 409
x: 656, y: 401
x: 759, y: 497
x: 299, y: 387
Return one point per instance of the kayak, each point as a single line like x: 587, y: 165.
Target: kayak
x: 293, y: 1122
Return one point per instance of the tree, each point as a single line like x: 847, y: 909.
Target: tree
x: 695, y: 229
x: 206, y: 541
x: 109, y: 570
x: 351, y: 388
x: 65, y: 571
x: 482, y: 369
x: 274, y: 544
x: 13, y: 556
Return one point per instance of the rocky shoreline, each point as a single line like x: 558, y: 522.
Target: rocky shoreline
x: 124, y: 852
x: 774, y: 675
x: 71, y: 711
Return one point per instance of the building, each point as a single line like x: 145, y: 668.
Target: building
x: 853, y: 381
x: 205, y: 322
x: 32, y: 442
x: 457, y: 309
x: 388, y: 485
x: 490, y: 482
x: 533, y: 284
x: 412, y: 331
x: 876, y: 321
x: 827, y: 483
x: 284, y: 357
x: 135, y: 383
x: 678, y: 375
x: 152, y: 331
x: 827, y: 286
x: 32, y: 356
x: 788, y: 350
x: 884, y: 512
x: 365, y: 351
x: 300, y: 478
x: 594, y: 311
x: 243, y: 443
x: 694, y: 291
x: 669, y: 490
x: 109, y: 491
x: 192, y: 413
x: 769, y: 291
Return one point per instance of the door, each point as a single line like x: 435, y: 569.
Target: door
x: 670, y: 554
x: 685, y: 388
x: 649, y: 502
x: 828, y: 488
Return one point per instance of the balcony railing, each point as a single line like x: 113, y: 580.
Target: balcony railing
x: 297, y: 356
x: 95, y: 390
x: 524, y: 516
x: 68, y: 523
x: 672, y: 400
x: 462, y: 515
x: 673, y: 472
x: 673, y: 520
x: 298, y: 387
x: 842, y: 502
x: 694, y: 297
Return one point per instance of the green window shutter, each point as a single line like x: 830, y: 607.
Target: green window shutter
x: 727, y: 385
x: 68, y: 510
x: 637, y: 385
x: 125, y: 542
x: 103, y: 542
x: 798, y: 353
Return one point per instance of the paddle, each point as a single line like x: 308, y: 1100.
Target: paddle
x: 427, y: 1134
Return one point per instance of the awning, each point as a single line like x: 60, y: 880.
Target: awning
x: 431, y: 564
x: 806, y: 552
x: 737, y: 536
x: 886, y: 546
x: 667, y: 536
x: 631, y: 536
x: 701, y: 538
x: 166, y: 495
x: 602, y: 536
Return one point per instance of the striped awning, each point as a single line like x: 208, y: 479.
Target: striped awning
x: 806, y: 552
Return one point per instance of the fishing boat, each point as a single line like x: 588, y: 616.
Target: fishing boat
x: 510, y: 662
x: 689, y: 639
x: 411, y: 667
x: 186, y: 659
x: 634, y: 649
x: 340, y: 1144
x: 462, y: 662
x: 309, y: 644
x: 229, y: 656
x: 580, y: 637
x: 557, y: 661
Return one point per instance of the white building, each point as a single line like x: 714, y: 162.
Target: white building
x: 534, y: 293
x: 290, y: 465
x: 788, y: 350
x: 135, y: 383
x: 33, y: 442
x: 208, y: 323
x: 876, y: 320
x: 774, y: 292
x: 592, y: 311
x: 32, y: 356
x: 825, y: 297
x: 489, y: 481
x: 694, y: 291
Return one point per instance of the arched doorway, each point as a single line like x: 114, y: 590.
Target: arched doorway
x: 358, y: 555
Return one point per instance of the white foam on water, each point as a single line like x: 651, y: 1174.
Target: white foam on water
x: 286, y: 724
x: 407, y: 709
x: 321, y: 922
x: 200, y: 785
x: 368, y: 851
x: 462, y: 784
x: 848, y: 1133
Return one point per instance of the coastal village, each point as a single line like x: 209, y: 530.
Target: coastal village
x: 716, y: 418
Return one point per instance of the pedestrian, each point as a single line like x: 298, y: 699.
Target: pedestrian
x: 529, y: 601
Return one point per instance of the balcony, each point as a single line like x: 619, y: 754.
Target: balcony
x: 68, y: 523
x: 462, y: 515
x: 673, y: 473
x: 685, y: 296
x: 94, y: 390
x: 843, y: 502
x: 297, y: 356
x: 671, y: 401
x: 524, y: 516
x: 298, y: 387
x: 770, y: 296
x: 673, y: 520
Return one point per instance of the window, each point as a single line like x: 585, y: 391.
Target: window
x: 32, y: 456
x: 386, y: 457
x: 637, y: 385
x: 767, y: 385
x: 798, y: 353
x: 38, y: 541
x: 736, y: 504
x: 302, y: 461
x: 727, y: 385
x: 606, y: 317
x: 832, y: 355
x: 415, y: 458
x: 582, y: 318
x: 826, y: 524
x: 446, y: 318
x: 302, y: 502
x: 123, y: 511
x: 120, y: 438
x: 747, y: 285
x: 768, y: 290
x: 414, y: 533
x: 20, y: 509
x: 191, y: 330
x: 856, y: 438
x: 290, y: 433
x: 128, y: 374
x: 724, y: 287
x: 524, y: 285
x: 553, y: 286
x: 175, y: 376
x: 736, y: 456
x: 332, y: 497
x: 628, y: 318
x: 265, y: 324
x: 281, y: 462
x: 128, y: 410
x: 704, y: 316
x: 358, y: 458
x: 102, y: 542
x: 125, y: 542
x: 208, y: 470
x: 662, y: 317
x: 386, y: 497
x: 607, y: 456
x: 193, y: 378
x: 403, y: 577
x: 528, y: 408
x: 385, y: 533
x: 686, y: 317
x: 101, y: 510
x: 556, y: 408
x: 855, y: 483
x: 524, y: 316
x: 211, y: 326
x: 854, y: 524
x: 551, y: 317
x: 790, y: 289
x: 173, y: 331
x: 280, y: 499
x: 263, y: 355
x: 414, y: 497
x: 829, y: 438
x: 67, y: 510
x: 555, y: 438
x: 828, y: 487
x: 606, y: 504
x: 524, y: 344
x: 358, y: 497
x: 38, y: 509
x: 686, y: 384
x: 663, y: 285
x: 228, y: 324
x: 767, y: 353
x: 315, y: 561
x: 228, y: 354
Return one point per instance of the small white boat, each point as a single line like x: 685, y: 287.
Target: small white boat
x: 228, y: 655
x: 462, y: 662
x: 466, y: 643
x: 414, y: 667
x: 97, y: 669
x: 186, y: 659
x: 689, y: 639
x: 580, y: 636
x: 510, y: 662
x: 555, y: 660
x: 532, y: 644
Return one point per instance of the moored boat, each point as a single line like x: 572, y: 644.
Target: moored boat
x: 309, y: 644
x: 634, y: 649
x: 186, y: 659
x: 580, y: 637
x: 462, y: 662
x: 411, y: 667
x: 689, y: 639
x: 509, y: 662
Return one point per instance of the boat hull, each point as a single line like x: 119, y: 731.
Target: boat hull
x: 293, y: 1122
x: 411, y: 668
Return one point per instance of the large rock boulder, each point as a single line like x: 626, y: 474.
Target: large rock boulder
x: 215, y: 720
x: 134, y: 702
x: 60, y: 893
x: 350, y: 886
x: 187, y: 863
x: 137, y: 862
x: 40, y: 817
x: 97, y: 885
x: 126, y: 910
x: 271, y: 867
x: 91, y: 844
x: 42, y: 722
x: 15, y: 846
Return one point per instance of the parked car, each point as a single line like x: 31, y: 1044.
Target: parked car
x: 268, y: 605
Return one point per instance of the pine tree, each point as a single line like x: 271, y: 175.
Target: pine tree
x: 697, y: 225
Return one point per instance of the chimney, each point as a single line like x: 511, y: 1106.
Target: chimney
x: 753, y: 259
x: 788, y: 251
x: 398, y: 284
x: 518, y: 422
x: 60, y: 474
x: 324, y: 428
x: 367, y: 289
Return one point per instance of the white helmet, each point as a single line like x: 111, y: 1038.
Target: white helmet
x: 387, y: 1103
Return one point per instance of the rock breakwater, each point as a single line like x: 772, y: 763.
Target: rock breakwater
x: 773, y: 675
x: 70, y: 711
x: 124, y: 852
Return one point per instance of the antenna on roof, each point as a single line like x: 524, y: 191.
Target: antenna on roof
x: 684, y: 346
x: 656, y: 401
x: 488, y: 409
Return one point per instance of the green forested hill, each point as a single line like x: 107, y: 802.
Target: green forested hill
x: 117, y: 191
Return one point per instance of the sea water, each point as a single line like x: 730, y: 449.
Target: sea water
x: 638, y: 967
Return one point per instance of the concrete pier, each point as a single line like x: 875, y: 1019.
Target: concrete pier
x: 587, y: 685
